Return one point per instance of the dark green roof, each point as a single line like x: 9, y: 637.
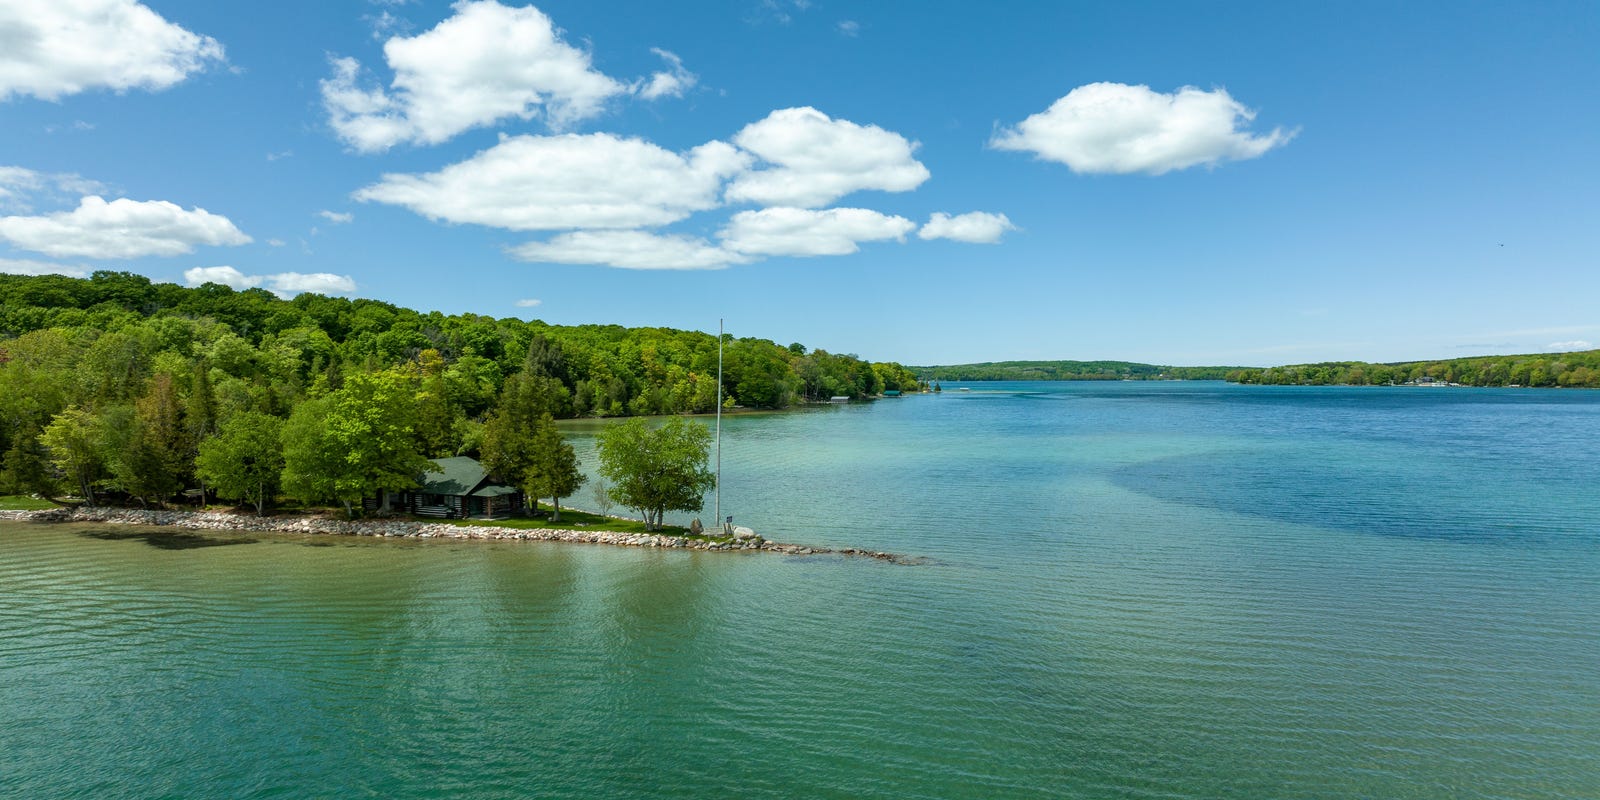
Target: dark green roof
x: 461, y: 476
x: 495, y: 490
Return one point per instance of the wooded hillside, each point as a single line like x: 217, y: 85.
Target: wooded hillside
x: 1581, y: 369
x: 127, y: 379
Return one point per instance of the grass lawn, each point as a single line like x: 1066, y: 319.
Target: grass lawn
x: 20, y: 502
x: 583, y: 521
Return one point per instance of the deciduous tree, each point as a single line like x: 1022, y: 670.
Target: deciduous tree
x: 359, y: 441
x: 656, y: 471
x: 245, y: 460
x: 73, y: 439
x: 312, y: 463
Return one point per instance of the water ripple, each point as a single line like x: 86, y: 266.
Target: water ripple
x: 1176, y: 591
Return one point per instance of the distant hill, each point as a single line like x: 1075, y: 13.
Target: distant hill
x: 1067, y: 371
x: 1577, y: 369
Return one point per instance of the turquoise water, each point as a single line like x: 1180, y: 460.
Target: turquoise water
x: 1182, y: 590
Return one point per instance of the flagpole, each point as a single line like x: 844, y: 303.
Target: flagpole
x: 719, y: 422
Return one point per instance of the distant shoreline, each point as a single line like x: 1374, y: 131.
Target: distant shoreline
x: 954, y: 384
x: 1573, y: 369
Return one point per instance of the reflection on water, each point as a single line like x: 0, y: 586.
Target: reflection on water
x: 166, y: 538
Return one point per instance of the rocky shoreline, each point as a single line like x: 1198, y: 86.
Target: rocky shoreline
x: 407, y: 529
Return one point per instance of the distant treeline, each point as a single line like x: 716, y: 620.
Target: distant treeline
x: 1067, y: 371
x: 286, y: 347
x: 1580, y: 369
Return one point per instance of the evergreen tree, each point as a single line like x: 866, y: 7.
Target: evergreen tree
x: 507, y: 444
x: 554, y: 471
x: 163, y: 432
x: 200, y: 415
x: 27, y: 467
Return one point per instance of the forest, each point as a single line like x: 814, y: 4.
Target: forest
x: 114, y: 385
x: 1580, y: 369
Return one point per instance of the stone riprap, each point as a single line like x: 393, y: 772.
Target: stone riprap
x: 407, y: 529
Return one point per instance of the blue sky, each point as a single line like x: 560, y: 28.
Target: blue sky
x: 925, y: 182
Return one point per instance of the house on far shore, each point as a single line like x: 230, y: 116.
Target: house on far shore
x: 458, y: 489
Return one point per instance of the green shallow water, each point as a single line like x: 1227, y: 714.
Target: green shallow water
x: 1135, y: 590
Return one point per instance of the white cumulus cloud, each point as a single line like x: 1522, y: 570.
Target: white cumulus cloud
x: 121, y: 228
x: 53, y: 48
x: 486, y: 63
x: 529, y: 302
x: 816, y: 159
x: 287, y: 283
x: 1572, y: 346
x: 569, y: 181
x: 629, y: 250
x: 672, y: 82
x: 1117, y: 128
x: 977, y: 227
x: 227, y: 276
x: 283, y: 284
x: 13, y: 266
x: 336, y: 217
x: 804, y: 232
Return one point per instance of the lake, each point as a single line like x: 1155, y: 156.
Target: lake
x: 1174, y: 590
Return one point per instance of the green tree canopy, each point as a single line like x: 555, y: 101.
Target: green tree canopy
x: 245, y: 460
x: 660, y: 470
x: 312, y: 463
x: 74, y: 441
x: 359, y: 441
x: 27, y: 467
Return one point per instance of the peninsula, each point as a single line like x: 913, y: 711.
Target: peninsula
x: 225, y: 522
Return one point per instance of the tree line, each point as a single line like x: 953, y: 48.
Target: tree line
x: 1066, y: 371
x: 118, y: 386
x: 1578, y: 370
